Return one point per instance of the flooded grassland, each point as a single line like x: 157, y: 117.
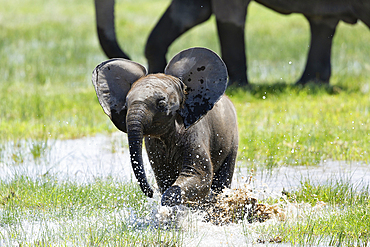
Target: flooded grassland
x: 82, y: 192
x: 303, y: 164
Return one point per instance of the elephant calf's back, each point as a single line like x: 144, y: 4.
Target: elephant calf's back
x: 223, y: 115
x: 222, y: 120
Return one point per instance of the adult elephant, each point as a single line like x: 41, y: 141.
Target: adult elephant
x: 322, y: 15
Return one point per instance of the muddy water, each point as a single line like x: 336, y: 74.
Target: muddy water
x: 107, y: 156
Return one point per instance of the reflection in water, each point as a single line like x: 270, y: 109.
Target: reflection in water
x: 88, y: 158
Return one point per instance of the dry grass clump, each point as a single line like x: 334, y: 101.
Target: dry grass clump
x: 234, y: 205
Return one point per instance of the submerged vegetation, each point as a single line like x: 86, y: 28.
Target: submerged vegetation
x: 108, y: 212
x: 46, y: 212
x: 48, y: 50
x: 340, y: 215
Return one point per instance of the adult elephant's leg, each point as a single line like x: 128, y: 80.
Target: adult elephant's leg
x: 318, y: 66
x: 233, y: 52
x: 230, y: 16
x: 362, y: 10
x: 179, y: 17
x: 104, y: 11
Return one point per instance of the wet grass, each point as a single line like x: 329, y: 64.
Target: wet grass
x: 342, y: 220
x: 46, y: 212
x: 108, y: 212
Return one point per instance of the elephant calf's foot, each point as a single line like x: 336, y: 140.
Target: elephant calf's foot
x: 171, y: 197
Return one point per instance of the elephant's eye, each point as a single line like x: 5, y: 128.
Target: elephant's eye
x: 162, y: 104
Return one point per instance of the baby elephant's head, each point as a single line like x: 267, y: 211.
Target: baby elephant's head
x: 141, y: 104
x: 154, y: 100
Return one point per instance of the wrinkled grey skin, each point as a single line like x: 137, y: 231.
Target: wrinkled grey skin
x: 189, y: 125
x: 322, y: 15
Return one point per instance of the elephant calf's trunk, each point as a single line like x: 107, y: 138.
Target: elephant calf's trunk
x: 135, y: 138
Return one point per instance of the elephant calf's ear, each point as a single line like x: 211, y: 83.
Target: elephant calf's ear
x: 112, y: 80
x: 205, y: 75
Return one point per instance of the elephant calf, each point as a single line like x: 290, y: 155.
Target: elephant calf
x: 189, y: 125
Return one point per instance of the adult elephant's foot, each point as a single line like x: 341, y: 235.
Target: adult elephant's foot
x: 318, y: 66
x: 310, y: 79
x: 238, y: 81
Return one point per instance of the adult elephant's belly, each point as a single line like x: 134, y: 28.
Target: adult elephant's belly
x: 341, y: 8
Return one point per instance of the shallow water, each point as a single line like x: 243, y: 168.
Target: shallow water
x: 81, y: 159
x: 107, y: 156
x: 101, y: 156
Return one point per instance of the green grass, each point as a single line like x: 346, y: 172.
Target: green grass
x: 48, y: 50
x: 107, y: 212
x: 344, y: 221
x: 48, y: 54
x: 46, y: 212
x: 282, y: 124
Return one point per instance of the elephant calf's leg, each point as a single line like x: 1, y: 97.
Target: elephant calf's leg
x: 193, y: 184
x: 223, y: 177
x: 172, y: 196
x: 187, y: 189
x: 318, y: 66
